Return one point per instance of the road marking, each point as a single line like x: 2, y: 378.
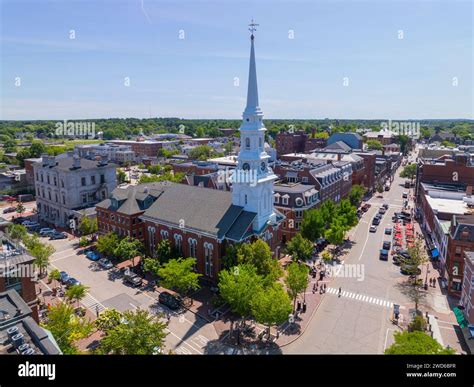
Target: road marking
x: 183, y: 341
x: 92, y: 304
x: 363, y: 298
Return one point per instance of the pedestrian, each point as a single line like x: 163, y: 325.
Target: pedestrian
x: 314, y: 288
x: 324, y: 288
x: 340, y: 291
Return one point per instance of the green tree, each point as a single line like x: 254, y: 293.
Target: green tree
x: 107, y: 243
x: 108, y: 319
x: 87, y: 226
x: 271, y: 306
x: 328, y: 210
x: 374, y: 145
x: 54, y: 275
x: 416, y: 343
x: 313, y: 225
x: 238, y: 286
x: 167, y: 176
x: 346, y: 214
x: 20, y: 208
x: 37, y: 148
x: 121, y: 176
x: 201, y: 152
x: 335, y: 233
x: 179, y: 274
x: 128, y: 248
x: 66, y: 327
x: 296, y: 280
x: 299, y: 248
x: 259, y: 255
x: 41, y: 253
x: 139, y: 333
x: 409, y: 171
x: 379, y: 188
x: 164, y: 251
x: 356, y: 194
x: 17, y: 232
x: 76, y: 293
x: 418, y: 324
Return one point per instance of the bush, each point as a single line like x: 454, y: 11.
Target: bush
x: 418, y: 324
x: 83, y: 241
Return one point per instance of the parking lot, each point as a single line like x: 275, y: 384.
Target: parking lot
x: 187, y: 332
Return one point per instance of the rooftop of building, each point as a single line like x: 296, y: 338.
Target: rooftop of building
x: 19, y: 331
x: 292, y: 187
x: 67, y: 163
x: 12, y: 253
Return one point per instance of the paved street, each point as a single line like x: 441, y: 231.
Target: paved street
x: 187, y: 333
x: 359, y: 320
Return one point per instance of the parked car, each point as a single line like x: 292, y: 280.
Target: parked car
x: 71, y: 282
x: 383, y: 255
x: 375, y: 221
x: 93, y: 255
x: 382, y: 210
x: 33, y: 225
x: 19, y: 220
x: 27, y: 222
x: 405, y: 195
x: 46, y: 231
x: 105, y: 263
x: 63, y: 277
x: 386, y: 245
x: 373, y: 228
x: 58, y: 235
x: 385, y: 205
x: 168, y: 300
x: 388, y: 231
x: 132, y: 278
x: 9, y: 209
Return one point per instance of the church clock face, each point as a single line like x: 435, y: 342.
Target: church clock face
x: 246, y: 167
x: 263, y: 166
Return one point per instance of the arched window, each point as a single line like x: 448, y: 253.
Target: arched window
x: 208, y: 250
x: 192, y: 247
x: 178, y: 243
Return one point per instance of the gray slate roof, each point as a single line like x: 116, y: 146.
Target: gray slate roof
x: 202, y: 209
x: 65, y: 164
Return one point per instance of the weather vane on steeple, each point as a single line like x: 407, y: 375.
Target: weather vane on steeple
x: 252, y: 28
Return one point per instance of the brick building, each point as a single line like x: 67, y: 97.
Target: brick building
x: 460, y: 240
x: 145, y: 148
x: 297, y: 142
x: 467, y: 294
x: 292, y: 200
x: 458, y: 170
x: 18, y: 273
x: 121, y: 212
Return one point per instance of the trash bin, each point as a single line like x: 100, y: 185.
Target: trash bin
x: 304, y: 307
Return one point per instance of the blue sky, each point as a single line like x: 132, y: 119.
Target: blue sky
x: 389, y: 78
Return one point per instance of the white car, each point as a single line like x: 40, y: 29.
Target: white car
x: 373, y: 228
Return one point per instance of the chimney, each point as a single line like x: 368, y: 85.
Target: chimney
x: 76, y: 162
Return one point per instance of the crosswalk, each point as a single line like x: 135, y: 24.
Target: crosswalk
x: 361, y: 297
x: 92, y: 304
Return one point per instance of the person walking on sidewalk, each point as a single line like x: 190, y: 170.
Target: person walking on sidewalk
x: 340, y: 291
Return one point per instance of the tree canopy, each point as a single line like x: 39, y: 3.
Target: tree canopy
x: 416, y: 343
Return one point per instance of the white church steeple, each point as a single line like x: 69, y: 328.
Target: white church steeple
x: 252, y: 186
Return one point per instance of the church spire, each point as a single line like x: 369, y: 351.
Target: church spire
x: 252, y: 107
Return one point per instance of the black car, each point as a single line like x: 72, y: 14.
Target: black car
x: 71, y: 282
x: 168, y: 300
x: 386, y: 245
x: 376, y: 221
x: 63, y: 277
